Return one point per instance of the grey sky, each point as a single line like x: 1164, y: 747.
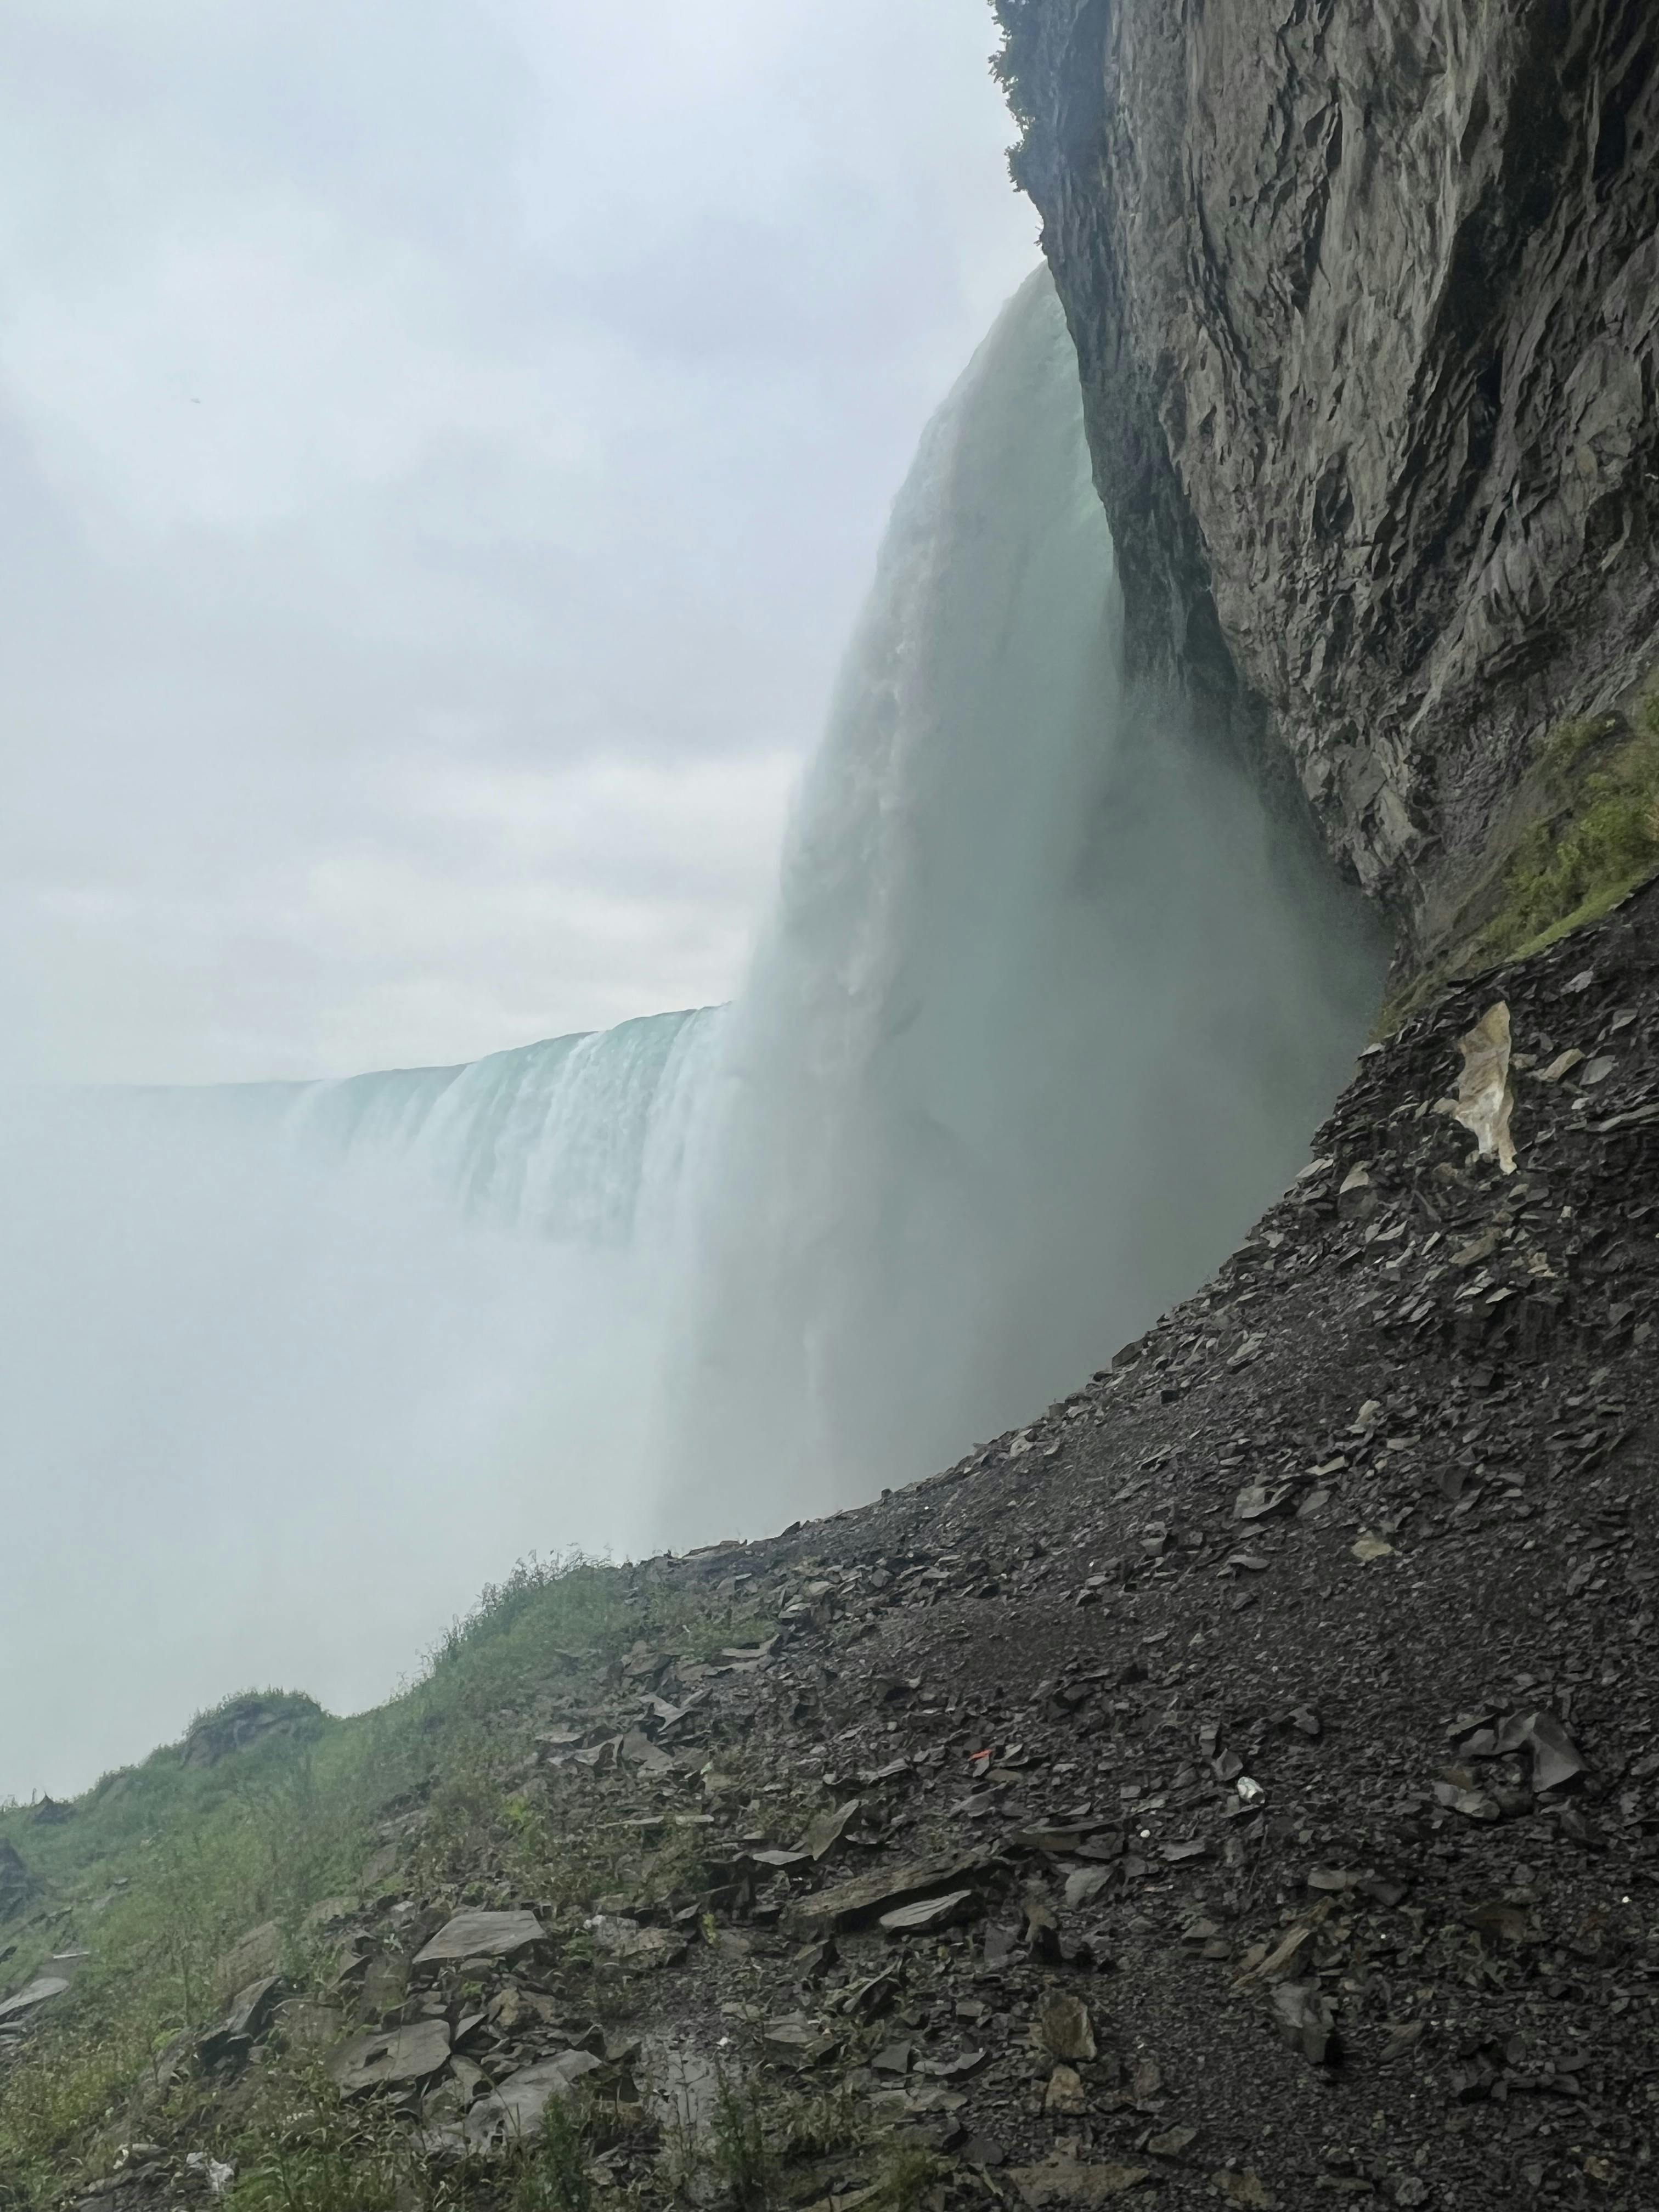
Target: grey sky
x: 441, y: 448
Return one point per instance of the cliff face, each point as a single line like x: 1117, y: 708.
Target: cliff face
x: 1366, y: 298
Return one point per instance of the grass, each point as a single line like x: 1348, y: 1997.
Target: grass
x: 1592, y: 789
x: 744, y: 2156
x: 554, y: 2176
x: 1598, y: 841
x: 759, y: 2128
x: 318, y: 2157
x: 909, y: 2178
x: 165, y: 1866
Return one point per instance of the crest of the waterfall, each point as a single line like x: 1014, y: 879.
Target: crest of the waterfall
x: 1046, y: 1011
x: 579, y: 1138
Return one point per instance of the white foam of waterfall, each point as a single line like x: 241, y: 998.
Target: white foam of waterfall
x: 579, y: 1137
x: 1046, y: 1012
x: 292, y: 1370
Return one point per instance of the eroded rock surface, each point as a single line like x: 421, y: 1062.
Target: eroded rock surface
x: 1366, y: 298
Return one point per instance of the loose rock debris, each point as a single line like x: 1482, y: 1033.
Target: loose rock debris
x: 515, y: 2112
x: 389, y: 2057
x: 1239, y: 1785
x: 481, y: 1936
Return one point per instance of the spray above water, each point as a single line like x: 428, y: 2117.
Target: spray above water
x: 1046, y: 1011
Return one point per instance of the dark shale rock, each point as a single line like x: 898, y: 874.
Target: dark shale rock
x: 391, y: 2058
x: 249, y: 2015
x: 851, y: 1903
x: 1343, y: 1893
x: 1366, y: 298
x: 514, y: 2113
x: 477, y: 1935
x: 38, y: 1992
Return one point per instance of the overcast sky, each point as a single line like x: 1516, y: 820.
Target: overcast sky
x: 442, y: 446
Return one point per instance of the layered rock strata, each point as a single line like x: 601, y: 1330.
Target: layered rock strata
x: 1366, y: 298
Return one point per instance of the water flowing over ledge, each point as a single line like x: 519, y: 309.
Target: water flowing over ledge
x: 579, y: 1137
x: 1046, y: 1012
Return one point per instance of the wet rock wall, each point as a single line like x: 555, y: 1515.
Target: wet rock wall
x: 1366, y: 297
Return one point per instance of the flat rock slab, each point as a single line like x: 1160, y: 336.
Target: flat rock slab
x: 870, y: 1894
x: 928, y: 1913
x: 1062, y: 2180
x: 628, y: 1944
x: 482, y: 1936
x: 305, y: 2025
x: 258, y: 1953
x: 514, y: 2113
x: 37, y: 1993
x: 251, y: 2008
x: 391, y: 2057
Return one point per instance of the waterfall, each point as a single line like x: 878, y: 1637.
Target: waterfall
x: 294, y: 1369
x: 1045, y: 1011
x: 580, y: 1139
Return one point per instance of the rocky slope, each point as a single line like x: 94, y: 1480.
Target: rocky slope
x: 1241, y: 1783
x: 1366, y: 296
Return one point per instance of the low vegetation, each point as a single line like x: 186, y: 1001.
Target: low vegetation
x: 1592, y: 839
x: 157, y: 1875
x: 1596, y: 841
x: 1017, y: 65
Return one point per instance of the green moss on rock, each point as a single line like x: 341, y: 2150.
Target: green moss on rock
x: 1598, y: 841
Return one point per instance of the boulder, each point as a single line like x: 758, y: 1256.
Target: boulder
x: 477, y: 1935
x: 392, y: 2058
x: 514, y: 2113
x: 249, y: 2015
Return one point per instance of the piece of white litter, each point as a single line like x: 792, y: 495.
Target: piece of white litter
x: 1485, y: 1099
